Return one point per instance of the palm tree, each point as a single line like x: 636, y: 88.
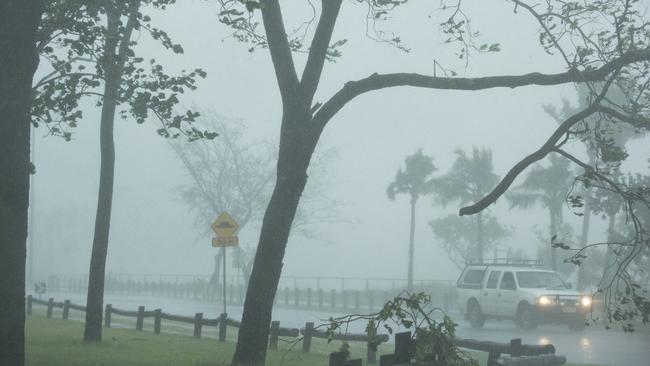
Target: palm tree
x: 469, y: 180
x: 547, y: 186
x: 596, y: 129
x: 414, y: 181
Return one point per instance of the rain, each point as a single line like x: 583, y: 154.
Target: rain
x: 299, y: 182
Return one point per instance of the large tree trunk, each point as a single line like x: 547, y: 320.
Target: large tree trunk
x: 95, y: 296
x: 298, y: 138
x: 409, y: 283
x: 19, y: 21
x: 293, y: 161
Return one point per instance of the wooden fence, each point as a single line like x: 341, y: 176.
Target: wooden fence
x: 521, y: 354
x: 306, y: 334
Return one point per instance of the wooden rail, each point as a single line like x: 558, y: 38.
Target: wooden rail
x: 198, y: 322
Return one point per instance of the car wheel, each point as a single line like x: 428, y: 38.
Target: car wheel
x: 475, y: 316
x: 577, y: 325
x: 526, y: 317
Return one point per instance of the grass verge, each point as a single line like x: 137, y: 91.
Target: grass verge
x: 55, y: 342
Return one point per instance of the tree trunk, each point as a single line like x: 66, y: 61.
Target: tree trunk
x: 479, y: 237
x: 293, y: 161
x: 247, y: 266
x: 610, y: 266
x: 95, y: 297
x: 18, y: 61
x: 409, y: 283
x: 298, y: 138
x: 610, y: 257
x: 553, y: 232
x: 584, y: 237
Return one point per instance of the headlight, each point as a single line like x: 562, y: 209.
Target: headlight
x: 585, y: 301
x: 543, y: 300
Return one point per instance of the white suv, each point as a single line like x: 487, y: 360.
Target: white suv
x: 523, y: 291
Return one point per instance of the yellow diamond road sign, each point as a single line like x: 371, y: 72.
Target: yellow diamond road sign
x: 224, y: 225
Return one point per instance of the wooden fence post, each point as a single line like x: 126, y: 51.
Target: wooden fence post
x: 139, y: 323
x: 386, y: 360
x: 403, y: 347
x: 66, y: 309
x: 306, y: 340
x: 198, y: 322
x: 50, y: 305
x: 296, y: 295
x: 515, y: 344
x: 29, y: 305
x: 371, y: 299
x: 223, y: 320
x: 157, y: 320
x: 333, y: 294
x: 273, y: 336
x: 345, y: 298
x: 107, y: 315
x: 371, y: 353
x: 337, y: 358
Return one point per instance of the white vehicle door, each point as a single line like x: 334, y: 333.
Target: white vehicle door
x: 507, y: 296
x: 489, y: 300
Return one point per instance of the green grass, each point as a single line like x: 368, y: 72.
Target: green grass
x: 55, y: 342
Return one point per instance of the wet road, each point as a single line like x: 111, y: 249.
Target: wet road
x: 596, y: 346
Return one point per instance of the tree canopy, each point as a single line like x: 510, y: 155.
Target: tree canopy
x: 71, y: 42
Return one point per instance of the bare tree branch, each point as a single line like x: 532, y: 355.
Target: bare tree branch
x: 549, y: 146
x: 320, y: 43
x: 280, y: 50
x: 634, y: 120
x: 376, y: 81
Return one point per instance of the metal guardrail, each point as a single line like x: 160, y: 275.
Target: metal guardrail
x: 443, y: 292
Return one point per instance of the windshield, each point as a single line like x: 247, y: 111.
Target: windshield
x: 549, y: 280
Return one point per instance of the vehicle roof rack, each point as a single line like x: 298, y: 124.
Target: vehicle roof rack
x: 506, y: 262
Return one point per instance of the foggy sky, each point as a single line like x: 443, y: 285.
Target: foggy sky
x: 153, y: 232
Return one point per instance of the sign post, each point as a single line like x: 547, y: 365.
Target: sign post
x: 225, y: 227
